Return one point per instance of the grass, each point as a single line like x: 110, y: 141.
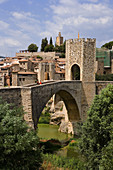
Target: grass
x: 62, y: 162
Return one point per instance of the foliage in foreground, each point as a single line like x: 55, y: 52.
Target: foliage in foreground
x: 97, y: 132
x: 63, y: 162
x: 19, y: 145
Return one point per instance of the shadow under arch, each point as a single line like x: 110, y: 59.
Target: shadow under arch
x: 71, y: 105
x: 75, y: 72
x: 67, y: 96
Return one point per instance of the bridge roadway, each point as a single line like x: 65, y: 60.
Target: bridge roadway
x: 76, y: 95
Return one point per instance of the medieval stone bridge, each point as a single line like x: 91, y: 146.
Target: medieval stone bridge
x: 76, y: 95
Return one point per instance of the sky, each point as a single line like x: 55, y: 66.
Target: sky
x: 23, y: 22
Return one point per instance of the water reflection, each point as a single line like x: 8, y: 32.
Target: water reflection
x: 46, y: 131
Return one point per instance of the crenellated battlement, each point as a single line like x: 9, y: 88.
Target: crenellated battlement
x: 87, y: 40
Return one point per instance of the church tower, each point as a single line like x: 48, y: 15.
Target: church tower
x: 59, y: 39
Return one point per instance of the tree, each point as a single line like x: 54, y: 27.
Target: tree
x: 19, y: 145
x: 32, y: 48
x: 49, y: 48
x: 51, y: 41
x: 61, y: 48
x: 44, y: 44
x: 108, y: 45
x: 97, y: 131
x: 107, y: 157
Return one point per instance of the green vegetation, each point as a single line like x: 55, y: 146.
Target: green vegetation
x: 45, y: 116
x: 50, y: 47
x: 44, y: 44
x: 19, y: 145
x: 64, y: 158
x: 108, y: 45
x: 97, y: 132
x: 61, y: 48
x: 51, y: 41
x: 104, y: 77
x: 50, y: 146
x: 62, y: 162
x: 32, y: 48
x: 39, y: 57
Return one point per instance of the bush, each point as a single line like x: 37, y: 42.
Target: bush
x: 97, y: 132
x: 19, y: 145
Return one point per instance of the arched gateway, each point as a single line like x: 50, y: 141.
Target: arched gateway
x: 75, y: 72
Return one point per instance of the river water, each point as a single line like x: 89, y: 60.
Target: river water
x: 46, y: 131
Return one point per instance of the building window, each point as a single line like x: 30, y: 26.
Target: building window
x: 23, y: 79
x: 19, y: 79
x: 46, y: 68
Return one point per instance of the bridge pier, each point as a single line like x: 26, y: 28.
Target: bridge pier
x: 27, y: 104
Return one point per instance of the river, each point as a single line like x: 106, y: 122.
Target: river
x: 46, y: 131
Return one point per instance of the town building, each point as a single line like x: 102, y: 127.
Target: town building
x: 31, y: 67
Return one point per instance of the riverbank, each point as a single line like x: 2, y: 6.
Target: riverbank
x: 62, y: 155
x: 60, y: 150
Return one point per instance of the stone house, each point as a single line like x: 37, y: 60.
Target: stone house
x: 23, y: 77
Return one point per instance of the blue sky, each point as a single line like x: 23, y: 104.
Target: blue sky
x: 23, y: 22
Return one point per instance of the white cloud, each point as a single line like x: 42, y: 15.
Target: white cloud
x: 2, y: 1
x: 70, y: 16
x: 92, y: 18
x: 21, y: 15
x: 102, y: 20
x: 3, y: 25
x: 10, y: 42
x: 30, y: 2
x: 93, y: 1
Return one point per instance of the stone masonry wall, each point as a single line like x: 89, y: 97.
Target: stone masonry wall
x: 11, y: 95
x: 19, y: 97
x: 83, y: 53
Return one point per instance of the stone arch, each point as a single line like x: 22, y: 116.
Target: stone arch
x: 71, y: 105
x: 68, y: 97
x: 75, y: 72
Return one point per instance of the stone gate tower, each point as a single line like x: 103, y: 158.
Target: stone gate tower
x: 81, y: 52
x: 80, y: 65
